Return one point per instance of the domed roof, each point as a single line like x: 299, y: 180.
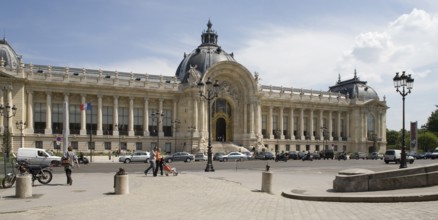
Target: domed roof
x: 8, y: 55
x: 354, y: 88
x: 203, y: 57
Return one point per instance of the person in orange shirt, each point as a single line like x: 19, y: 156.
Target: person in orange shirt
x: 159, y: 161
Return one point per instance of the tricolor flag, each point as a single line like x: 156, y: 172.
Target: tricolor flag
x: 85, y: 106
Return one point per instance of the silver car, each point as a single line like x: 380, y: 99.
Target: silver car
x: 234, y: 156
x: 180, y: 156
x: 138, y: 156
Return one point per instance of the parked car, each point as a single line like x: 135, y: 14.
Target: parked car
x: 427, y: 155
x: 358, y: 155
x: 293, y: 155
x: 218, y: 156
x: 200, y: 157
x: 434, y: 154
x: 180, y: 156
x: 264, y: 156
x: 249, y: 155
x: 316, y: 155
x: 234, y: 156
x: 328, y: 154
x: 374, y: 156
x: 138, y: 156
x: 37, y: 156
x: 392, y: 155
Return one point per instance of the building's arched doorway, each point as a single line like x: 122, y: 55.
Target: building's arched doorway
x: 222, y: 121
x: 221, y: 130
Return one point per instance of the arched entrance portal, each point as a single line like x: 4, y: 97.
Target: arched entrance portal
x: 222, y: 124
x: 221, y: 130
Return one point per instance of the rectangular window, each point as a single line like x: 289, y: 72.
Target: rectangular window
x: 74, y: 119
x: 287, y: 147
x: 91, y: 115
x: 167, y: 123
x: 275, y: 125
x: 39, y: 113
x: 57, y: 118
x: 107, y: 145
x: 298, y: 147
x: 39, y: 144
x: 138, y: 146
x: 107, y: 120
x: 138, y: 121
x: 91, y: 145
x: 285, y: 128
x: 264, y: 126
x: 74, y: 145
x: 123, y: 120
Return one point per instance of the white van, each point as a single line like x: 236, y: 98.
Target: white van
x: 392, y: 155
x: 37, y: 156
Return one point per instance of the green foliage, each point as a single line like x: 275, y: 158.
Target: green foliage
x: 392, y: 137
x: 427, y: 141
x: 432, y: 122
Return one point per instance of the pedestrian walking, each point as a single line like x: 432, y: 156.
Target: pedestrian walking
x: 152, y: 162
x: 159, y: 160
x: 71, y: 159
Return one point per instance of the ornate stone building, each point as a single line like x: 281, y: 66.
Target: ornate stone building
x: 135, y: 111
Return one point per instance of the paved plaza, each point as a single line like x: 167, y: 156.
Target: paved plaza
x: 224, y: 194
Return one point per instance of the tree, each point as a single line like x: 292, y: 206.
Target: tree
x: 427, y: 141
x: 432, y: 122
x: 393, y: 137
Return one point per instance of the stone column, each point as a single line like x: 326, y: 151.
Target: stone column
x: 281, y: 123
x: 330, y: 125
x: 338, y: 132
x: 292, y: 124
x: 311, y: 128
x: 146, y: 117
x: 160, y: 110
x: 131, y: 117
x: 251, y: 122
x: 116, y: 115
x: 48, y: 129
x: 83, y: 117
x: 269, y: 125
x: 29, y: 111
x: 99, y: 115
x: 301, y: 134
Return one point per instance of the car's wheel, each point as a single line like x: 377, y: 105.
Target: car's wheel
x: 127, y: 161
x: 169, y: 160
x: 146, y: 161
x: 225, y: 159
x: 386, y: 161
x: 188, y: 160
x: 411, y: 161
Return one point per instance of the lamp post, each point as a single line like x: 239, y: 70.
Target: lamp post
x: 209, y: 91
x: 324, y: 129
x: 119, y: 127
x: 5, y: 112
x: 157, y: 117
x: 277, y: 136
x: 191, y: 129
x: 175, y: 125
x: 406, y: 83
x: 20, y: 126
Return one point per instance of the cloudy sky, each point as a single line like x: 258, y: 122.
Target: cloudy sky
x: 290, y: 43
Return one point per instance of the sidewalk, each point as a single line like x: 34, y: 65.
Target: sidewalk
x: 224, y: 194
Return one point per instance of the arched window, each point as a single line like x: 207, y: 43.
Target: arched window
x: 370, y: 125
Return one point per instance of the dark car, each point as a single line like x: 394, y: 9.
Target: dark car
x: 358, y: 155
x: 218, y: 156
x: 265, y: 156
x: 327, y: 154
x: 293, y: 155
x: 316, y: 155
x: 180, y: 156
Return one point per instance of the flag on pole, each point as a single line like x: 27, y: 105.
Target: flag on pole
x: 85, y: 106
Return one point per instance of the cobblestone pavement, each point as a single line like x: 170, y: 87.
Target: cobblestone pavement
x: 224, y: 194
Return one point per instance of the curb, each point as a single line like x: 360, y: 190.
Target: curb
x: 363, y: 198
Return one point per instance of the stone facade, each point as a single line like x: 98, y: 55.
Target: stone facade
x: 135, y: 111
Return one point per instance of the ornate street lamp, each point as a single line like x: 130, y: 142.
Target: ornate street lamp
x: 191, y: 129
x: 20, y: 126
x: 175, y: 125
x: 209, y: 91
x: 405, y: 82
x: 5, y: 111
x: 157, y: 116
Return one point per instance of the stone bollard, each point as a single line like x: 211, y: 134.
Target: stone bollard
x: 121, y: 182
x: 23, y: 186
x: 267, y: 180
